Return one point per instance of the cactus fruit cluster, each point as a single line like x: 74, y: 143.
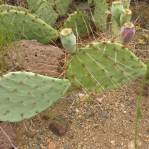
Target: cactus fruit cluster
x: 101, y: 66
x: 25, y: 94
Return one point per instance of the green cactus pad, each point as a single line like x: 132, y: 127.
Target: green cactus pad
x: 102, y: 66
x: 44, y: 10
x: 100, y: 14
x: 126, y: 3
x: 116, y: 10
x: 125, y: 16
x: 33, y: 5
x: 26, y: 26
x: 62, y: 6
x: 49, y: 10
x: 78, y: 22
x: 5, y: 7
x: 47, y: 13
x: 25, y: 94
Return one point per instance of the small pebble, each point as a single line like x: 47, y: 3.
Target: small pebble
x: 59, y: 126
x: 51, y: 145
x: 104, y: 114
x: 112, y: 142
x: 88, y: 114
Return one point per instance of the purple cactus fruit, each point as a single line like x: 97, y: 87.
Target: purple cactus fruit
x: 127, y: 32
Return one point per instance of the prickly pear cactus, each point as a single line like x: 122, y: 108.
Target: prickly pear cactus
x: 33, y: 5
x: 47, y: 13
x: 105, y: 65
x: 44, y: 10
x: 100, y: 14
x: 24, y: 25
x: 116, y: 10
x: 62, y: 6
x: 49, y: 10
x: 25, y: 94
x: 78, y: 22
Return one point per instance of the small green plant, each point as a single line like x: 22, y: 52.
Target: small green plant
x: 138, y: 118
x: 6, y: 38
x: 146, y: 82
x: 144, y: 91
